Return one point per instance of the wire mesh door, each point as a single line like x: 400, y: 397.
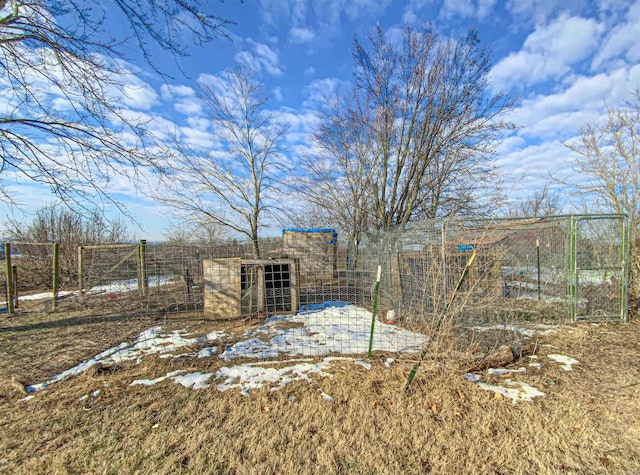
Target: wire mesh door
x: 599, y: 257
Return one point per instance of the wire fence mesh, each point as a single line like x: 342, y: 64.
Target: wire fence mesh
x: 311, y: 294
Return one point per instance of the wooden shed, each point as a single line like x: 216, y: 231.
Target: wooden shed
x: 243, y: 287
x: 316, y: 250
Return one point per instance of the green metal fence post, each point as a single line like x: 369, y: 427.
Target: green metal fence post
x: 624, y: 281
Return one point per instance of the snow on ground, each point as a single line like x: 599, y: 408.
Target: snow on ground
x: 517, y: 390
x: 521, y: 391
x: 331, y: 327
x: 114, y: 287
x: 150, y: 341
x: 566, y: 361
x: 527, y: 330
x: 132, y: 284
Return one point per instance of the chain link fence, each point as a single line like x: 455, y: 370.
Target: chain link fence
x: 310, y: 294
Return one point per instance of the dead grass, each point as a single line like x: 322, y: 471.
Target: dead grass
x: 444, y: 424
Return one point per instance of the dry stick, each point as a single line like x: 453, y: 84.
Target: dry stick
x: 465, y: 271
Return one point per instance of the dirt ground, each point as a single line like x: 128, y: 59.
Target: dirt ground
x: 586, y: 423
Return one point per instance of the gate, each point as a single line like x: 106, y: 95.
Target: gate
x: 598, y: 267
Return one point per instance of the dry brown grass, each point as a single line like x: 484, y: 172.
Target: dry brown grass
x: 443, y: 424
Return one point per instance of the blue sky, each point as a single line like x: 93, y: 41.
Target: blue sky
x: 562, y: 59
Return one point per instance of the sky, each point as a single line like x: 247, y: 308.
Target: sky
x: 563, y: 61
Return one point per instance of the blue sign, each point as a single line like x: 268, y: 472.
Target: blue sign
x: 466, y: 247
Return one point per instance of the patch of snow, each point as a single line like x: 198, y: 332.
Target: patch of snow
x: 207, y: 351
x: 528, y: 330
x: 28, y: 398
x: 503, y: 371
x: 118, y: 286
x: 149, y: 342
x: 364, y: 364
x: 252, y: 376
x: 533, y: 364
x: 132, y: 284
x: 325, y: 396
x: 96, y: 393
x: 566, y: 361
x: 524, y: 392
x: 195, y: 380
x: 389, y: 361
x: 332, y: 327
x: 473, y: 377
x: 44, y: 295
x: 323, y: 329
x: 84, y: 398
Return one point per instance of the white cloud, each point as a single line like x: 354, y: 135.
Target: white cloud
x: 414, y: 10
x: 485, y: 8
x: 540, y: 11
x: 462, y: 8
x: 299, y: 35
x: 561, y: 114
x: 197, y: 138
x: 531, y: 166
x: 548, y: 52
x: 622, y: 40
x: 185, y: 99
x: 310, y: 71
x: 314, y: 22
x: 316, y: 91
x: 263, y: 57
x: 168, y: 92
x: 189, y: 106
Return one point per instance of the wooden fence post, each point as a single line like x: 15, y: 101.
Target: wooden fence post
x: 56, y: 270
x: 9, y: 270
x: 143, y: 281
x: 80, y: 285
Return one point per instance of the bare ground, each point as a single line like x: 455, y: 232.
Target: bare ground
x: 586, y: 423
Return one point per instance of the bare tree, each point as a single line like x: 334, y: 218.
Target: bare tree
x: 608, y: 153
x: 337, y: 177
x: 70, y: 230
x: 61, y: 79
x: 232, y: 185
x: 421, y: 124
x: 543, y: 202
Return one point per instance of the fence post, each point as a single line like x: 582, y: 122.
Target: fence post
x: 14, y: 272
x: 80, y: 289
x: 56, y: 260
x: 9, y: 270
x: 538, y: 264
x: 143, y: 283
